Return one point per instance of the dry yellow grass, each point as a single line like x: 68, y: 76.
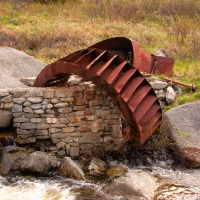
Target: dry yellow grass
x: 51, y: 31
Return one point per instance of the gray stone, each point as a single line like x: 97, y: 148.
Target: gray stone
x: 182, y: 125
x: 42, y: 126
x: 19, y: 100
x: 36, y: 106
x: 45, y: 102
x: 17, y: 108
x: 133, y: 186
x: 69, y: 169
x: 41, y: 133
x: 39, y: 111
x: 61, y: 105
x: 28, y: 110
x: 23, y: 132
x: 178, y: 90
x: 7, y: 99
x: 54, y: 130
x: 16, y: 64
x: 36, y: 120
x: 28, y: 126
x: 74, y: 152
x: 27, y: 104
x: 61, y: 153
x: 158, y: 85
x: 21, y: 119
x: 170, y: 95
x: 17, y: 114
x: 60, y: 145
x: 38, y: 163
x: 16, y: 158
x: 162, y: 104
x: 25, y: 140
x: 16, y: 125
x: 35, y: 99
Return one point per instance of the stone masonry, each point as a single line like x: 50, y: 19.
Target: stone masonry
x: 77, y: 119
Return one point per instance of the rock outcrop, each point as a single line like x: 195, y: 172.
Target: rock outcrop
x: 15, y: 64
x: 182, y: 124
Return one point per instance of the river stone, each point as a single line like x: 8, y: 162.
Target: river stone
x: 38, y: 163
x: 15, y: 64
x: 182, y: 124
x: 5, y: 118
x: 170, y: 95
x: 69, y: 169
x: 135, y: 185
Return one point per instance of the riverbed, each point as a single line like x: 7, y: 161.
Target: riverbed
x: 173, y: 184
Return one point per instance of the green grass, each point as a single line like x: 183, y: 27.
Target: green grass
x: 51, y: 31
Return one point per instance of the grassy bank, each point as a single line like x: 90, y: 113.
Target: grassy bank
x: 51, y: 31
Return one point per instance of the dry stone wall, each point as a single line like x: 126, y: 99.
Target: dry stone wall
x: 77, y: 120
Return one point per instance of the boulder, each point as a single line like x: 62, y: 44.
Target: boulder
x: 135, y: 185
x: 16, y: 157
x: 5, y: 118
x: 39, y: 163
x: 15, y: 64
x: 182, y: 124
x: 69, y: 169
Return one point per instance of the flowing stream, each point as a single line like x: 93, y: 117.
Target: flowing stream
x: 172, y: 184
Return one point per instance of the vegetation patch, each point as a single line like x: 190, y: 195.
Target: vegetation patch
x: 49, y: 30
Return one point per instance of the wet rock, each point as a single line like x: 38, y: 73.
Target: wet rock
x: 182, y: 125
x: 5, y: 164
x: 117, y: 170
x: 135, y: 185
x: 170, y: 95
x: 38, y: 163
x: 16, y: 158
x: 5, y: 118
x: 97, y: 167
x: 69, y: 169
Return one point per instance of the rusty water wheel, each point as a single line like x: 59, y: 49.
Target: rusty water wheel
x: 123, y: 83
